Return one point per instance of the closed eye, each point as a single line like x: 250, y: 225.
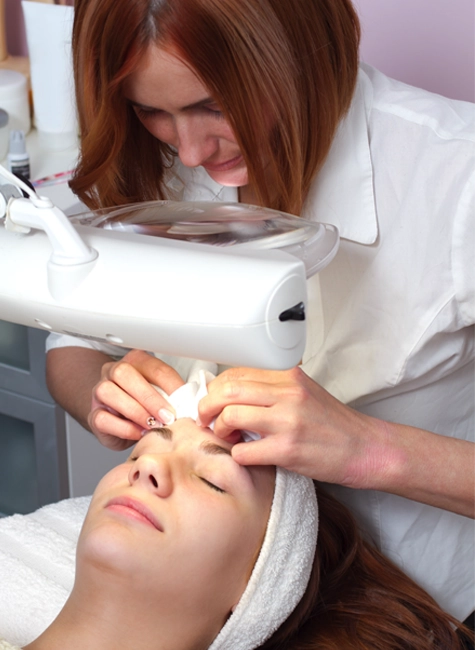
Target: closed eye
x: 210, y: 109
x: 213, y: 110
x: 144, y: 113
x: 212, y: 485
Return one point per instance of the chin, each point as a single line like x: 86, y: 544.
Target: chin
x: 109, y: 546
x: 231, y: 178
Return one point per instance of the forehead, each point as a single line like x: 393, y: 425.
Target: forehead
x: 162, y: 77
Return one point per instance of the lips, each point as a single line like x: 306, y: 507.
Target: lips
x: 224, y: 166
x: 134, y: 510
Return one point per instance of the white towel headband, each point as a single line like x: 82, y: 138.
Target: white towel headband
x: 282, y: 571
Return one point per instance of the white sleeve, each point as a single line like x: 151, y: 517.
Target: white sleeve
x: 463, y: 253
x: 185, y: 367
x: 65, y: 340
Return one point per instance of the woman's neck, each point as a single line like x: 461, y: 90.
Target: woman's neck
x: 247, y: 195
x: 119, y: 620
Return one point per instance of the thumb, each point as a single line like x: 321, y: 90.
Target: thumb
x: 256, y: 452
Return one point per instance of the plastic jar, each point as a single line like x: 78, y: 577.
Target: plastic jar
x: 4, y: 131
x: 14, y: 99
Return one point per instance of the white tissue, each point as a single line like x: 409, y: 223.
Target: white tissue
x: 185, y: 399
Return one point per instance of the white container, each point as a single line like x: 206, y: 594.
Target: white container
x: 48, y: 33
x: 14, y: 99
x: 4, y: 131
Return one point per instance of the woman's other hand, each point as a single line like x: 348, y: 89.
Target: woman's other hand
x: 125, y: 402
x: 302, y: 427
x: 306, y: 430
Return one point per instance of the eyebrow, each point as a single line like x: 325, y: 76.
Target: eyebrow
x: 163, y: 432
x: 212, y: 449
x: 188, y: 107
x: 207, y: 446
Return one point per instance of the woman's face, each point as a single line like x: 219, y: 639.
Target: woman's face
x: 181, y: 520
x: 173, y: 104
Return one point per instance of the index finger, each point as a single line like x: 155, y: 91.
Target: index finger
x: 154, y: 370
x: 238, y: 392
x: 138, y: 387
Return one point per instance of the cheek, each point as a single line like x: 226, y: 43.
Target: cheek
x: 115, y: 549
x: 220, y: 548
x: 117, y: 477
x: 226, y: 132
x: 106, y: 488
x: 160, y: 128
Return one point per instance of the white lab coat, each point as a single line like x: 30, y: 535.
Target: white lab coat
x: 398, y: 303
x: 4, y: 645
x: 391, y: 318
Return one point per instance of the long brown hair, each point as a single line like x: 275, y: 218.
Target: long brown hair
x: 291, y: 64
x: 358, y: 600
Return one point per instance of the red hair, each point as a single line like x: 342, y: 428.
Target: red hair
x: 291, y: 64
x: 358, y: 600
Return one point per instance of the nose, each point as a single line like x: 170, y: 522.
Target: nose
x: 194, y: 144
x: 152, y: 473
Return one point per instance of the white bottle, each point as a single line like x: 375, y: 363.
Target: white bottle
x: 18, y: 159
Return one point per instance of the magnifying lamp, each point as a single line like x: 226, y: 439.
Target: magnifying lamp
x: 222, y: 282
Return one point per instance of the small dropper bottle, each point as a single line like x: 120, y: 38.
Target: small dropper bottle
x: 18, y: 159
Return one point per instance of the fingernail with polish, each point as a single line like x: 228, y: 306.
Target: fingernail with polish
x: 166, y: 416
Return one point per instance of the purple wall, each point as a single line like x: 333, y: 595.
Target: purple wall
x: 427, y: 43
x: 16, y: 38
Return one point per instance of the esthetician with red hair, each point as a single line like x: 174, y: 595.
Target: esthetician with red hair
x: 265, y: 102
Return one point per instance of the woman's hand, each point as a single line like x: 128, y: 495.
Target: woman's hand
x: 303, y: 428
x: 306, y: 430
x: 124, y: 401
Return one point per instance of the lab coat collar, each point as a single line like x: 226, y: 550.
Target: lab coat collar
x: 199, y: 186
x: 342, y: 193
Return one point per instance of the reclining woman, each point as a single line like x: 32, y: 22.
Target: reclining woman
x: 184, y: 549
